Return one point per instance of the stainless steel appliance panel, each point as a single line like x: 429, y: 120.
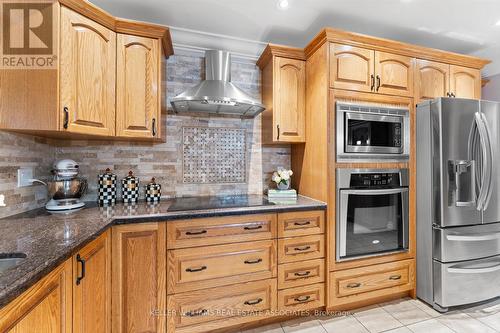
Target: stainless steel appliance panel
x: 491, y: 113
x: 466, y: 282
x: 452, y: 120
x: 466, y: 243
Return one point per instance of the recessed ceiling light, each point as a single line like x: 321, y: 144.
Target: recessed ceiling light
x: 283, y: 4
x: 498, y: 23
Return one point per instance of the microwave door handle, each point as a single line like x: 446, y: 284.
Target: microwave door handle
x: 377, y: 192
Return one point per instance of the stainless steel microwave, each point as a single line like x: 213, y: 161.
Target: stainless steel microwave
x: 372, y: 132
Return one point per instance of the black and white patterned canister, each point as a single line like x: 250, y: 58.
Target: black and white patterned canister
x: 130, y: 188
x: 153, y: 191
x: 106, y: 188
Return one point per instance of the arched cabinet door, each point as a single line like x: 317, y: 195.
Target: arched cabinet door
x: 394, y: 74
x: 465, y: 82
x: 87, y: 75
x: 290, y: 101
x: 137, y: 81
x: 351, y: 68
x: 432, y: 80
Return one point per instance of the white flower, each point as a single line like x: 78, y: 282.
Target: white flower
x: 281, y: 175
x: 285, y: 176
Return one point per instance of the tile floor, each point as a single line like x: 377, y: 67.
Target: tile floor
x: 399, y: 316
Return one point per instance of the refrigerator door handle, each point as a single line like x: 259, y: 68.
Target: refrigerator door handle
x: 486, y: 161
x: 489, y: 162
x: 473, y: 270
x: 473, y: 237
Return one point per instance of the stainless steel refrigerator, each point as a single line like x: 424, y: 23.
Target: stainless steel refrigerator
x: 458, y: 208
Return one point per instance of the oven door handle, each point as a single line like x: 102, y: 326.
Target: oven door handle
x: 377, y: 192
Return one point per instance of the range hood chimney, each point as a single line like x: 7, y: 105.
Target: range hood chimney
x: 217, y: 94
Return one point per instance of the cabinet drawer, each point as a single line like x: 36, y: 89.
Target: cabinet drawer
x: 302, y: 298
x: 372, y: 281
x: 211, y: 266
x: 301, y: 223
x: 220, y: 230
x: 301, y: 273
x: 205, y: 310
x: 301, y: 248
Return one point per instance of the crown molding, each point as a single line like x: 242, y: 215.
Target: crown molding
x: 195, y: 42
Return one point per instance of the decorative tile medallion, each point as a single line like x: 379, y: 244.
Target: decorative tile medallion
x: 213, y: 155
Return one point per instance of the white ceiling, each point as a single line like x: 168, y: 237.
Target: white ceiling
x: 465, y: 26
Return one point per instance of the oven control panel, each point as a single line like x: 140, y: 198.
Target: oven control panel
x: 366, y: 180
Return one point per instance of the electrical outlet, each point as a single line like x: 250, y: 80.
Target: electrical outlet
x: 24, y: 177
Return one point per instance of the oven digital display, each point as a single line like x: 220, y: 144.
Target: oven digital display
x: 367, y: 180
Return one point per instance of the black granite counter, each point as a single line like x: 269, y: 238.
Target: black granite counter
x: 50, y: 239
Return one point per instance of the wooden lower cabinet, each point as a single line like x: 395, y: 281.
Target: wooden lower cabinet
x: 301, y: 223
x: 371, y: 282
x: 92, y: 286
x: 301, y: 248
x: 301, y: 273
x: 138, y: 278
x: 302, y: 298
x: 215, y: 308
x: 43, y: 308
x: 212, y: 266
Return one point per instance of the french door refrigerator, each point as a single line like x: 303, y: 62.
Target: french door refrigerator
x: 458, y: 211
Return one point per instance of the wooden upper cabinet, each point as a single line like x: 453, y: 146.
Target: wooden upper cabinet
x: 432, y: 80
x: 138, y: 277
x: 351, y: 67
x: 394, y: 74
x: 283, y: 94
x: 465, y: 82
x: 43, y: 308
x: 138, y: 96
x: 290, y: 90
x: 87, y: 73
x: 92, y: 287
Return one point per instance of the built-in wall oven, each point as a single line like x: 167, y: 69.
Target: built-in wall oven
x: 372, y: 212
x: 372, y: 132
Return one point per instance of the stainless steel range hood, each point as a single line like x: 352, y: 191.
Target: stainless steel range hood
x: 217, y: 94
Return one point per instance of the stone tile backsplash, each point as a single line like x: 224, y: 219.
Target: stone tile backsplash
x: 165, y: 160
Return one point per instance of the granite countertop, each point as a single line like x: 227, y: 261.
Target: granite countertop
x: 50, y: 239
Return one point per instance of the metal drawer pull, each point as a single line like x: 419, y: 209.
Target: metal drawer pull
x: 196, y: 313
x: 254, y: 302
x: 395, y: 277
x: 194, y: 270
x: 82, y: 274
x: 302, y: 298
x: 302, y: 223
x: 253, y: 228
x: 302, y: 248
x: 250, y: 262
x: 191, y: 233
x: 354, y: 285
x: 305, y: 273
x: 372, y: 80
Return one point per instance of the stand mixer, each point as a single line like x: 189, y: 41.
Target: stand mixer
x: 65, y: 189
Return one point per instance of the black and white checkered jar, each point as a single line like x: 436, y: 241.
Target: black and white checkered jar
x: 130, y: 188
x: 153, y: 191
x: 106, y: 188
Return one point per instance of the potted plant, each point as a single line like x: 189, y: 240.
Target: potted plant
x: 282, y: 178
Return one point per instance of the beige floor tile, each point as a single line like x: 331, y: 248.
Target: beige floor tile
x: 483, y: 310
x: 303, y: 325
x: 491, y: 320
x: 426, y: 308
x: 430, y: 326
x: 462, y: 323
x: 376, y: 319
x: 405, y: 311
x: 403, y: 329
x: 273, y: 328
x: 342, y: 324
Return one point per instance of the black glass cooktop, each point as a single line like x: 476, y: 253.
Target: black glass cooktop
x: 216, y: 202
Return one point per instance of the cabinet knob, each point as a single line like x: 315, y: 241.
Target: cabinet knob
x: 251, y: 262
x: 395, y: 277
x: 378, y: 82
x: 254, y: 302
x: 302, y: 274
x: 302, y: 248
x: 372, y: 80
x: 302, y: 298
x: 194, y: 270
x: 354, y: 285
x: 192, y: 233
x: 253, y: 228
